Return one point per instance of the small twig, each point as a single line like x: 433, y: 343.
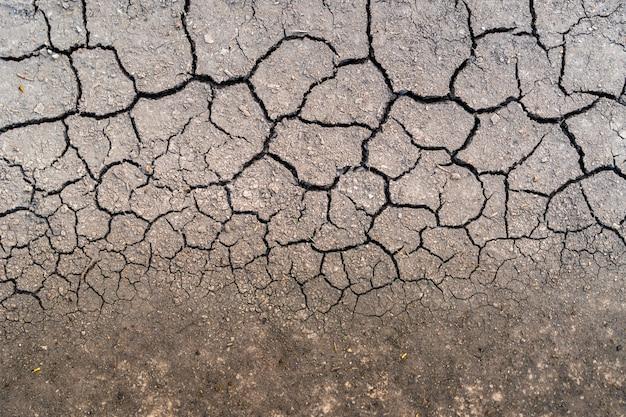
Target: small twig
x: 24, y: 77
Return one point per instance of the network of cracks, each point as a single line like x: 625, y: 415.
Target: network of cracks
x: 378, y: 156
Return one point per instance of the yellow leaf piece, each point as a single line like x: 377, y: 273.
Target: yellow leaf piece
x: 21, y: 88
x: 404, y: 356
x: 37, y: 370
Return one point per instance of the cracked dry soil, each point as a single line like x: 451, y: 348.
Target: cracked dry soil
x: 312, y: 207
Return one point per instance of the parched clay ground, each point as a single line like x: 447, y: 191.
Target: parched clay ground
x: 309, y: 208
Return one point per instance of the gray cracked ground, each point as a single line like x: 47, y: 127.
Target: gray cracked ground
x: 380, y: 208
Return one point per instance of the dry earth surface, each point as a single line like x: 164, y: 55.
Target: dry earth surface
x: 312, y: 207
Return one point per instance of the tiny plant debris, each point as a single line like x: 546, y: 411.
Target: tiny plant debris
x: 404, y: 356
x: 21, y: 88
x: 37, y: 371
x: 24, y: 77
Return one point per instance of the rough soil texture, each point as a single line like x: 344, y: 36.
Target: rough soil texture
x: 310, y: 208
